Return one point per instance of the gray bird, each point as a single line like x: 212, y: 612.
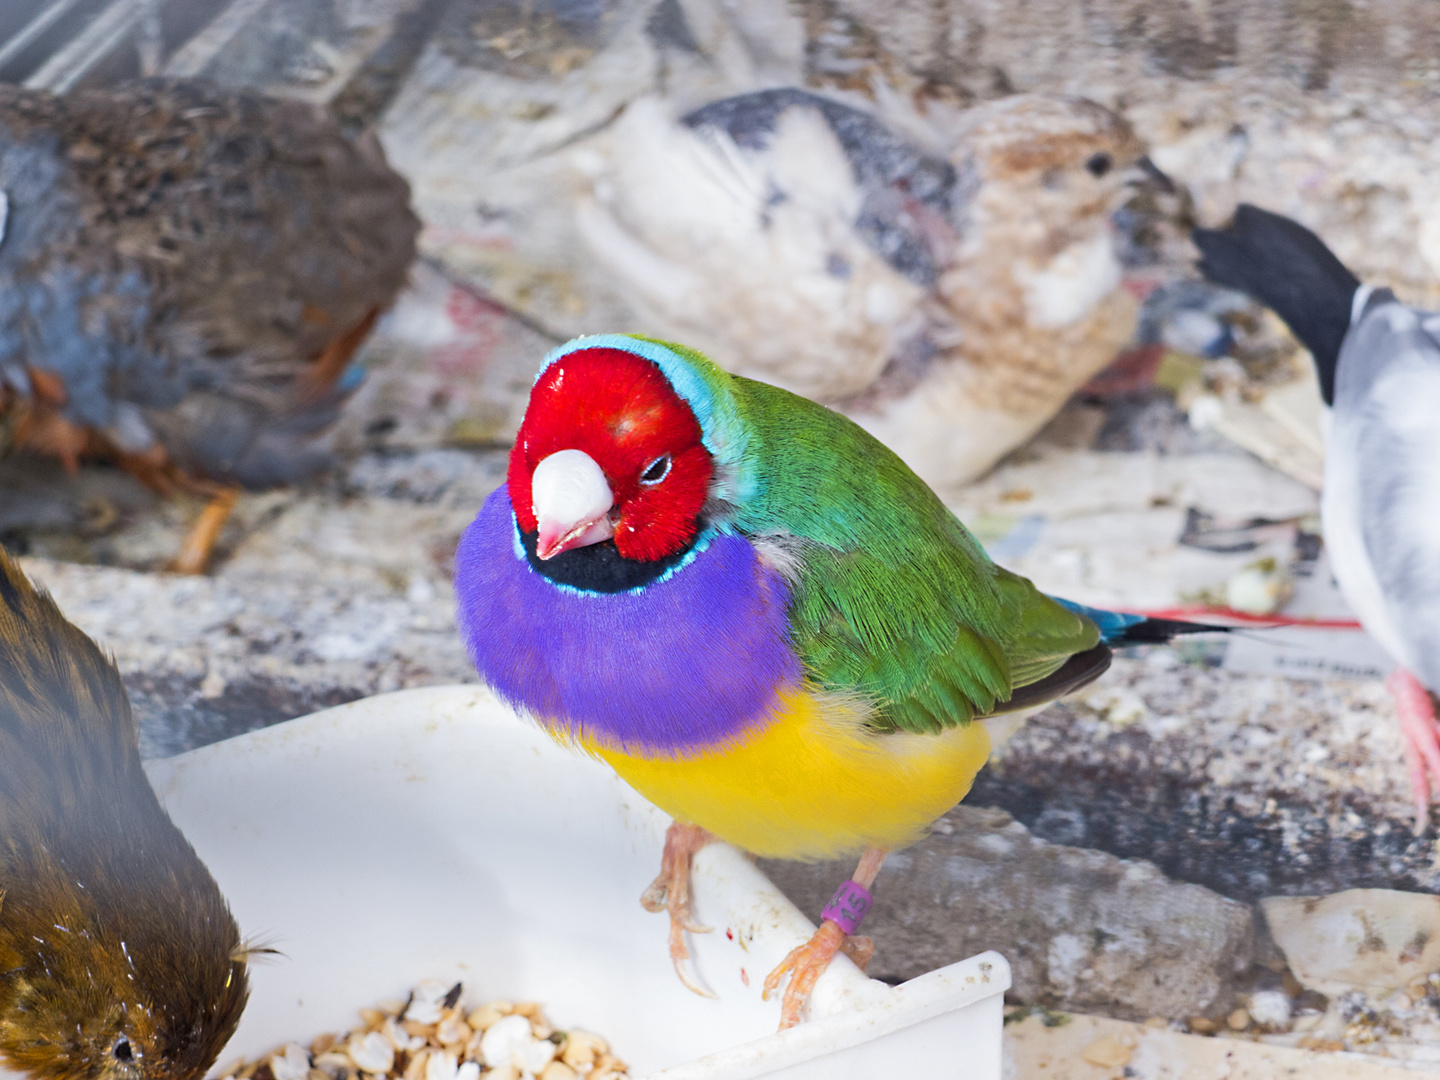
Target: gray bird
x: 1379, y: 367
x: 185, y: 273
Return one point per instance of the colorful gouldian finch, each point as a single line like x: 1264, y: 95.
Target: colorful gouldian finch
x: 758, y: 615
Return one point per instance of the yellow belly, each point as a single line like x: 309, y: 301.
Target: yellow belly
x: 813, y: 784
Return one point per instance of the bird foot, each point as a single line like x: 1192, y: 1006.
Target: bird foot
x: 195, y: 553
x: 670, y: 892
x: 860, y: 949
x: 1421, y: 732
x: 804, y: 965
x: 153, y: 468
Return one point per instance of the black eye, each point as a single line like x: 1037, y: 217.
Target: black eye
x: 1099, y: 164
x: 122, y: 1050
x: 657, y: 470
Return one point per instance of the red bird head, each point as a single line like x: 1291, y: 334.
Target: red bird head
x: 608, y: 450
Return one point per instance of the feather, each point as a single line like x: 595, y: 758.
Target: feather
x: 182, y: 260
x: 1382, y: 481
x: 116, y: 942
x: 1125, y: 628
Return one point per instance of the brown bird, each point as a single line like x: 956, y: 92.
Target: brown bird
x: 948, y: 298
x: 119, y: 958
x: 185, y: 274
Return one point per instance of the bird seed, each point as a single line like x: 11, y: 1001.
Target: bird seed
x: 433, y: 1036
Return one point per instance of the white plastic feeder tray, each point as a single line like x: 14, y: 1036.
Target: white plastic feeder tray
x: 429, y: 834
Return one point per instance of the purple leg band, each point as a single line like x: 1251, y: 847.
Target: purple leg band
x: 849, y: 906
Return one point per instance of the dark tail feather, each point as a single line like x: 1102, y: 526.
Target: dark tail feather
x: 1289, y: 269
x: 1123, y: 628
x: 1160, y: 631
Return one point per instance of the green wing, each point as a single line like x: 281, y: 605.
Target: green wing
x: 895, y: 599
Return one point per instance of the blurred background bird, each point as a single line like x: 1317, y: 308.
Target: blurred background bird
x: 119, y: 958
x: 185, y: 274
x: 1378, y: 361
x: 947, y: 283
x: 756, y: 614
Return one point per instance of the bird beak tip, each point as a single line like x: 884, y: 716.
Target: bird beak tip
x: 553, y: 539
x: 1153, y: 175
x: 550, y: 542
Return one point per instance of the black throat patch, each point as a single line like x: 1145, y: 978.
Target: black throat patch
x: 599, y: 567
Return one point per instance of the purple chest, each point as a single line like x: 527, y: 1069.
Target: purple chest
x: 691, y: 661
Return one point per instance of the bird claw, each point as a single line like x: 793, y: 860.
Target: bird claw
x: 653, y: 898
x: 860, y: 949
x: 670, y: 892
x: 688, y: 981
x: 805, y: 964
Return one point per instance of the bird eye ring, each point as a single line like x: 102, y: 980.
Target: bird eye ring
x: 1099, y: 164
x: 656, y: 471
x: 122, y: 1050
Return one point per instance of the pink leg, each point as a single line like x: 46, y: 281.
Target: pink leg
x: 806, y: 963
x: 670, y: 892
x: 1422, y: 739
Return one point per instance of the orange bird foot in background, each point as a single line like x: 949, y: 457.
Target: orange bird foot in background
x: 41, y: 428
x: 671, y: 892
x: 199, y: 545
x: 1421, y: 732
x: 154, y: 468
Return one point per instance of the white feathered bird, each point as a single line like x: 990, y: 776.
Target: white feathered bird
x: 1379, y: 367
x: 948, y: 298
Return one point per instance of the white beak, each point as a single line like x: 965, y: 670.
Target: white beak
x: 571, y: 501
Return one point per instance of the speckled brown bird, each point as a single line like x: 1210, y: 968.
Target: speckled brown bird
x: 185, y: 273
x: 119, y: 959
x: 947, y: 289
